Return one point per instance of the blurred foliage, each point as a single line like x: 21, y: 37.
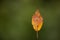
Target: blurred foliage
x: 15, y: 19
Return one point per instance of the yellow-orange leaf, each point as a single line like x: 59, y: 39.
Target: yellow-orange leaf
x: 37, y: 21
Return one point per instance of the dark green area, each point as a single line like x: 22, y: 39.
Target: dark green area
x: 16, y: 15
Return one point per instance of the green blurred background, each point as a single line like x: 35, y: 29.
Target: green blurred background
x: 15, y: 19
